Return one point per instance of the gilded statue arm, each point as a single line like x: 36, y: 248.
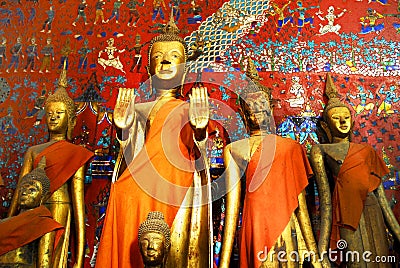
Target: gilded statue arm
x: 78, y: 203
x: 317, y: 163
x: 27, y: 167
x: 388, y: 212
x: 232, y: 175
x: 199, y: 112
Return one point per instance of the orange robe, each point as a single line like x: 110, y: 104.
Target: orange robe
x: 26, y: 227
x: 359, y: 175
x: 148, y: 184
x: 63, y: 159
x: 283, y: 172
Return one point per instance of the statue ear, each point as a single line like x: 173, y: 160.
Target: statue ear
x: 327, y: 130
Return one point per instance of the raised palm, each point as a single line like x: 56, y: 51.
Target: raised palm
x: 199, y: 108
x: 124, y: 110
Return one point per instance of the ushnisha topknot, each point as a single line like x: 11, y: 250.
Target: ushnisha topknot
x: 169, y: 33
x: 252, y: 73
x: 61, y: 95
x: 38, y: 174
x: 333, y: 97
x: 155, y: 223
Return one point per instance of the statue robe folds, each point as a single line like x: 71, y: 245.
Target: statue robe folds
x: 158, y: 179
x: 268, y: 210
x: 26, y: 227
x: 63, y: 159
x: 359, y: 175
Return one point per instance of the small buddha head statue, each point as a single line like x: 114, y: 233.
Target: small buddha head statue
x: 154, y: 240
x: 60, y: 109
x: 167, y: 56
x: 257, y: 102
x: 337, y: 121
x: 34, y: 187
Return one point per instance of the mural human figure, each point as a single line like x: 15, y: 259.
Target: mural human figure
x: 48, y: 56
x: 298, y: 90
x: 99, y: 11
x: 282, y: 19
x: 302, y: 20
x: 16, y: 53
x: 364, y: 105
x: 32, y: 53
x: 133, y: 12
x: 111, y: 60
x: 81, y: 13
x: 330, y: 17
x: 3, y: 48
x: 116, y: 11
x: 83, y: 56
x: 389, y: 100
x: 369, y: 23
x: 50, y: 18
x: 137, y: 58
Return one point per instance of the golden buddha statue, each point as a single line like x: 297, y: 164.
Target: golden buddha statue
x: 160, y: 140
x: 275, y: 221
x: 154, y: 240
x: 352, y: 198
x: 21, y: 234
x: 65, y: 167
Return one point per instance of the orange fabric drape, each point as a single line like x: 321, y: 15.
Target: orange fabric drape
x: 26, y: 227
x: 282, y: 167
x: 149, y: 184
x: 360, y: 174
x: 63, y: 159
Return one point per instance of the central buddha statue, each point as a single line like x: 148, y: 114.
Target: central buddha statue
x: 161, y: 141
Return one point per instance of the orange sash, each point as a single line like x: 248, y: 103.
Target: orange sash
x: 360, y: 174
x: 285, y: 170
x: 63, y: 159
x: 26, y: 227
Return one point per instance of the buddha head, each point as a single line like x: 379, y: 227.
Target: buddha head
x: 337, y: 121
x: 167, y: 58
x: 60, y: 109
x: 154, y: 240
x: 34, y: 188
x: 256, y: 104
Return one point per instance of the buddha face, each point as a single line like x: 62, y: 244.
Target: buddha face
x: 30, y: 194
x: 259, y: 109
x: 57, y: 118
x: 152, y: 248
x: 339, y: 121
x: 166, y: 63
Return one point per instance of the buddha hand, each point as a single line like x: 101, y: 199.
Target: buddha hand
x: 199, y: 108
x: 124, y: 111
